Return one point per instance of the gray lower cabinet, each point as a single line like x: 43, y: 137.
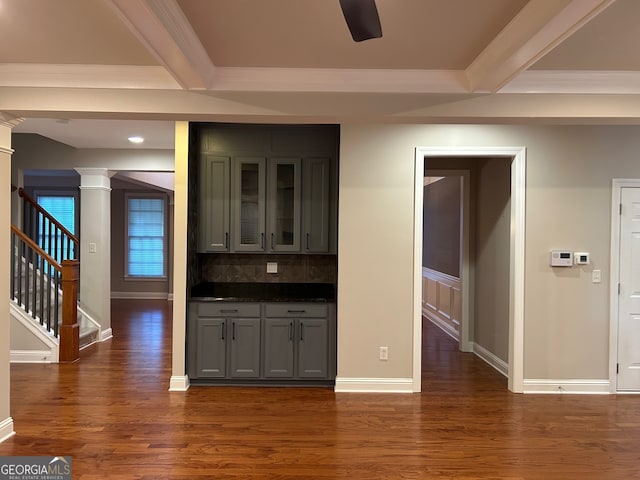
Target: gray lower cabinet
x: 224, y: 340
x: 261, y: 342
x: 296, y: 340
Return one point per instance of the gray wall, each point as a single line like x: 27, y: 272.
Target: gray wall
x: 441, y: 226
x: 492, y: 213
x: 568, y: 205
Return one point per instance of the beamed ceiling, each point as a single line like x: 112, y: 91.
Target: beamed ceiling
x: 86, y: 71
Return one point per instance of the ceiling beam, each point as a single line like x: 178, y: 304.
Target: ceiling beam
x: 539, y: 27
x: 164, y: 30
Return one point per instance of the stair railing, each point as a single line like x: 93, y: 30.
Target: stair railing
x: 43, y: 287
x: 57, y: 241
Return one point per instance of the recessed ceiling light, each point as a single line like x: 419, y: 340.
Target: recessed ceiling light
x: 136, y: 139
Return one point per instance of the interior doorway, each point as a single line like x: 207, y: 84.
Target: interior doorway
x: 515, y: 254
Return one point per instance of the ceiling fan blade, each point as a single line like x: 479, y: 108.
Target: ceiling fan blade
x: 362, y: 19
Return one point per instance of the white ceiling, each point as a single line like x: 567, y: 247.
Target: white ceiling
x: 89, y: 73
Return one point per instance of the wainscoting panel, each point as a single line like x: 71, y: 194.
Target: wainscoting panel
x: 442, y: 300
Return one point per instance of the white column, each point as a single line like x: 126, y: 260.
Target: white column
x: 179, y: 380
x: 95, y: 246
x: 6, y: 124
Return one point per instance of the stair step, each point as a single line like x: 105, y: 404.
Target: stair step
x: 88, y: 335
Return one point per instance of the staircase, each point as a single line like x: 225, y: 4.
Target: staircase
x: 47, y: 323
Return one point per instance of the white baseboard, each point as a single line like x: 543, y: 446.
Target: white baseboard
x: 588, y: 387
x: 33, y: 356
x: 106, y: 334
x: 179, y: 383
x: 140, y: 295
x: 6, y: 429
x: 497, y: 363
x: 441, y: 324
x: 374, y: 385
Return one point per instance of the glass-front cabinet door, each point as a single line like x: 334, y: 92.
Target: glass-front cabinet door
x: 249, y: 204
x: 284, y: 204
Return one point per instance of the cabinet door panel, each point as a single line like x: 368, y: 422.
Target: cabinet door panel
x: 278, y: 347
x: 284, y: 204
x: 214, y: 205
x: 245, y: 348
x: 312, y: 348
x: 316, y: 204
x: 249, y: 204
x: 211, y: 348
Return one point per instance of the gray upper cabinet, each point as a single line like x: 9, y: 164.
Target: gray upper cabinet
x: 214, y: 207
x: 284, y: 204
x: 248, y: 199
x: 316, y: 204
x: 267, y: 189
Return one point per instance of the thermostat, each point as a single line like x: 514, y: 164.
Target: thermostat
x: 581, y: 258
x: 561, y: 258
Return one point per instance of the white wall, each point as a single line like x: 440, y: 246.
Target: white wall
x: 569, y: 172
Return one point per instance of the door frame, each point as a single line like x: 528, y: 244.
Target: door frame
x: 516, y: 254
x: 617, y: 184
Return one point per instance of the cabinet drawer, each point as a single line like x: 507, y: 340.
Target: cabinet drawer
x: 223, y: 309
x: 296, y: 310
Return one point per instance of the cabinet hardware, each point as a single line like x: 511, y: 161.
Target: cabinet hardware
x: 262, y: 240
x: 233, y: 328
x: 272, y: 247
x: 234, y: 310
x: 290, y: 331
x: 307, y: 241
x: 301, y: 331
x: 226, y: 239
x: 224, y: 327
x: 296, y: 311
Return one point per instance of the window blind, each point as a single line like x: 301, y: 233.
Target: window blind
x: 145, y: 237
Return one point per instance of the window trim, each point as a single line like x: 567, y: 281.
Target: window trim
x: 165, y: 240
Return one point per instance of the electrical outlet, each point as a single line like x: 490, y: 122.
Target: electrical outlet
x: 272, y: 267
x: 384, y: 353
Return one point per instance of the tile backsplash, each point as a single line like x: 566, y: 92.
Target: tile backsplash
x: 229, y: 267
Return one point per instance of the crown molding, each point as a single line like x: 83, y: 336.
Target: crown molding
x: 86, y: 76
x: 540, y: 26
x: 10, y: 121
x: 164, y: 30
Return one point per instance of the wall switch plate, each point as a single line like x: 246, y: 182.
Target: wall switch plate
x: 92, y: 247
x: 596, y: 276
x: 272, y: 267
x: 384, y: 353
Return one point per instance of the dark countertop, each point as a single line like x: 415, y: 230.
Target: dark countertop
x: 264, y: 292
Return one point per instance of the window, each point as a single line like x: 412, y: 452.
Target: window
x: 145, y: 236
x: 63, y: 208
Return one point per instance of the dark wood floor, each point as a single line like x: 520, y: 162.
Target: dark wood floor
x: 113, y: 414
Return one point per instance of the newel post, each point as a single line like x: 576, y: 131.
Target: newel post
x: 70, y: 330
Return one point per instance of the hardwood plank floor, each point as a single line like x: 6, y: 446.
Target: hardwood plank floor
x: 113, y: 414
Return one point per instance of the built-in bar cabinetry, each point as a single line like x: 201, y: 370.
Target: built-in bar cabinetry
x: 261, y: 343
x: 267, y: 188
